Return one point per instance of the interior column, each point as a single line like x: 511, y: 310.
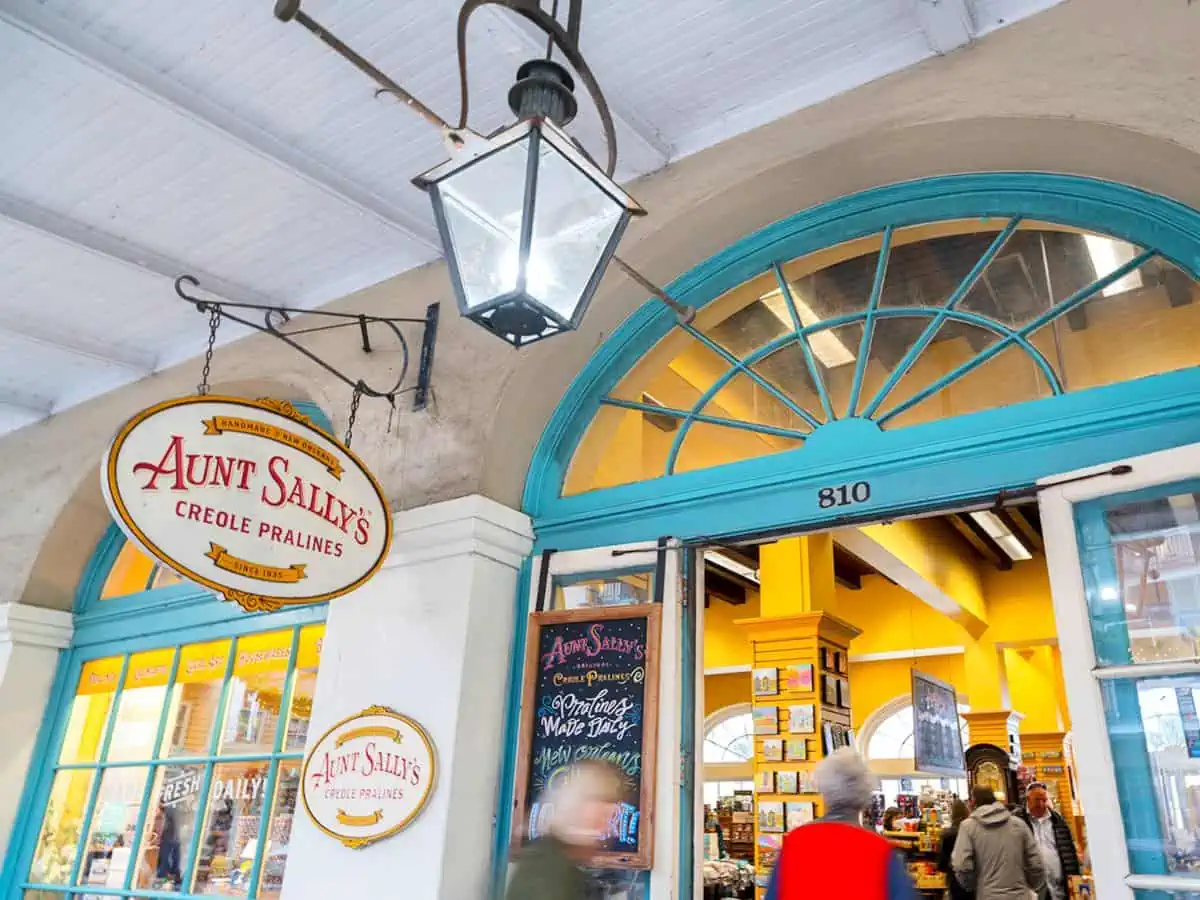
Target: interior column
x: 30, y: 640
x: 428, y: 636
x: 801, y: 683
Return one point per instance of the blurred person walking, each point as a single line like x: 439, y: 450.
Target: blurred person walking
x: 995, y: 854
x: 581, y: 808
x: 958, y: 815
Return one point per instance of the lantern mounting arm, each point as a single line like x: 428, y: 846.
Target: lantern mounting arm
x: 276, y: 316
x: 685, y: 313
x: 566, y: 39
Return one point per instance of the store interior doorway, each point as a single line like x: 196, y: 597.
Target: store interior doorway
x: 817, y: 641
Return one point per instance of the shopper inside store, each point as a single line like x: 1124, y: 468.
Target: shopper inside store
x: 580, y: 450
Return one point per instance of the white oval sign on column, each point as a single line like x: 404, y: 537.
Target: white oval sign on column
x: 249, y: 498
x: 368, y: 777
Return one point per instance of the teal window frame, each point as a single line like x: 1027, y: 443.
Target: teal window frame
x: 158, y: 619
x: 954, y: 460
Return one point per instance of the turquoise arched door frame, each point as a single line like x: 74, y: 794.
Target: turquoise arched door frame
x: 153, y: 619
x: 952, y: 459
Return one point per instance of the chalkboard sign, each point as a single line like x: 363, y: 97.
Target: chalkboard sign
x: 591, y: 693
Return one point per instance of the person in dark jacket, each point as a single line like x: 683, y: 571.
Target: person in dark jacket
x: 1054, y: 840
x: 836, y: 856
x: 579, y: 810
x: 958, y: 815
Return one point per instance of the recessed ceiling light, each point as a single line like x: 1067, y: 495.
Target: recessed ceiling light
x: 1109, y: 255
x: 999, y: 532
x: 731, y: 565
x: 826, y: 345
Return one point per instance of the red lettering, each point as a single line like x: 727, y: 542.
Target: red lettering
x: 223, y: 472
x: 194, y: 512
x: 247, y: 466
x: 170, y: 464
x: 275, y: 532
x: 208, y: 515
x: 361, y: 531
x: 277, y: 467
x: 181, y: 509
x: 337, y: 549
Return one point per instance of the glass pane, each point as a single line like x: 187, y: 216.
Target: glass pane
x: 1140, y: 557
x: 141, y: 706
x: 164, y: 577
x: 843, y: 286
x: 1013, y: 289
x: 229, y: 841
x: 742, y: 399
x: 112, y: 827
x: 788, y: 370
x: 1155, y: 734
x: 714, y: 445
x: 130, y: 573
x: 616, y: 589
x: 928, y: 262
x: 483, y: 205
x: 1135, y: 332
x: 256, y: 693
x: 1009, y: 377
x: 195, y: 699
x: 573, y: 220
x: 308, y: 657
x: 891, y: 339
x: 836, y: 353
x: 279, y: 835
x: 170, y: 824
x: 90, y: 709
x: 622, y: 446
x: 54, y: 853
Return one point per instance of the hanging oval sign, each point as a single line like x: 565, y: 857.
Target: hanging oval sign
x: 368, y: 776
x: 249, y: 498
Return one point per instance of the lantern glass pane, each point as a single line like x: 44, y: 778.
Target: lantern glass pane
x: 483, y: 204
x: 573, y: 220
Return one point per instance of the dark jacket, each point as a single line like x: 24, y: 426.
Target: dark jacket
x: 1063, y: 840
x: 957, y: 891
x: 545, y: 871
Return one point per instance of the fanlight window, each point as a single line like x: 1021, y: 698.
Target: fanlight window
x: 908, y: 326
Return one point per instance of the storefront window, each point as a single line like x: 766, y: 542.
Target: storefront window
x: 914, y: 325
x: 618, y: 589
x: 179, y: 770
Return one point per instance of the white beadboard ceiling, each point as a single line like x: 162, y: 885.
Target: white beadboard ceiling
x: 142, y: 140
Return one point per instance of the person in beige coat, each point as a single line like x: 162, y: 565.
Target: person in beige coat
x: 995, y: 854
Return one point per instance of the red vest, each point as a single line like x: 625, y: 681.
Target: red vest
x: 833, y: 860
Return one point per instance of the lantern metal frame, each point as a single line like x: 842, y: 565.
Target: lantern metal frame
x: 534, y: 131
x: 460, y: 139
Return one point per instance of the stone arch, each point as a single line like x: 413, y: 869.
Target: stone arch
x: 66, y: 546
x: 690, y: 222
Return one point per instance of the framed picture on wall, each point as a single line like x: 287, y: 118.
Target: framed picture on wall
x: 764, y: 782
x: 798, y: 678
x: 829, y: 693
x: 799, y: 812
x: 766, y: 720
x: 839, y: 664
x: 843, y: 692
x: 787, y: 783
x: 802, y: 719
x: 766, y: 682
x: 826, y: 659
x: 797, y: 750
x: 827, y: 735
x: 772, y: 750
x: 770, y: 816
x: 842, y: 663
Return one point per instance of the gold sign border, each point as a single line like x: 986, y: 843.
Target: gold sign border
x: 357, y: 842
x: 250, y: 602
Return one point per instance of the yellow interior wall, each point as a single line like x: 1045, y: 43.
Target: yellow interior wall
x: 721, y: 691
x: 1018, y: 608
x: 876, y: 683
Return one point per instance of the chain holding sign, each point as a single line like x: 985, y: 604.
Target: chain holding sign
x: 369, y: 776
x: 249, y: 498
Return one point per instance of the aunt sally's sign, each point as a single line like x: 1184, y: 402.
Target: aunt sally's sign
x: 368, y: 776
x: 249, y: 498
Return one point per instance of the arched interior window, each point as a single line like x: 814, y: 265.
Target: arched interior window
x: 134, y: 572
x: 907, y: 326
x: 889, y: 744
x: 730, y: 740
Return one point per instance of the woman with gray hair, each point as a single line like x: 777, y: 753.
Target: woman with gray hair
x: 573, y: 819
x: 836, y: 856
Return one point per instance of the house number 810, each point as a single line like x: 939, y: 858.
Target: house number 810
x: 844, y: 494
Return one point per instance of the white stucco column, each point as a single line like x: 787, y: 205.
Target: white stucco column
x: 30, y: 640
x: 430, y: 637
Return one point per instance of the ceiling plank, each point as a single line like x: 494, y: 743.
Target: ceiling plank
x: 101, y: 243
x: 947, y: 24
x: 650, y: 144
x: 138, y: 368
x: 1015, y: 522
x: 34, y: 19
x: 980, y: 540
